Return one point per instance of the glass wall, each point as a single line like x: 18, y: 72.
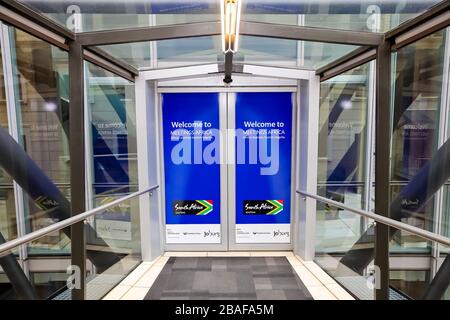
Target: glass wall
x: 82, y: 16
x: 111, y: 113
x: 169, y: 53
x: 419, y: 154
x: 342, y: 153
x: 8, y: 225
x: 42, y: 102
x: 375, y: 16
x: 342, y: 157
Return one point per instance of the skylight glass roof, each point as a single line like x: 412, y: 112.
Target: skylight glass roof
x: 360, y: 15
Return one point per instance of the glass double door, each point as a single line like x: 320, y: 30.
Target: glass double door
x: 227, y: 170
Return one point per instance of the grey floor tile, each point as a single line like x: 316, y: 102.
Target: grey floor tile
x: 270, y: 295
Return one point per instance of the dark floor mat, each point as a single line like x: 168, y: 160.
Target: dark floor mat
x: 204, y: 278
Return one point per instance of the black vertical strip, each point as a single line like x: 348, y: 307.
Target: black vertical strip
x: 228, y: 67
x: 77, y: 163
x: 382, y: 172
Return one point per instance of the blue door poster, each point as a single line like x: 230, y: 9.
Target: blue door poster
x: 191, y: 167
x: 263, y: 167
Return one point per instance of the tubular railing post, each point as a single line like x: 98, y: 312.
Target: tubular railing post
x: 382, y: 165
x: 77, y: 164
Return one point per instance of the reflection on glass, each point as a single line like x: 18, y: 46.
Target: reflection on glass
x: 169, y: 53
x: 288, y: 53
x: 41, y: 83
x: 96, y: 15
x: 362, y: 15
x: 417, y: 101
x: 412, y: 283
x: 416, y: 157
x: 8, y: 226
x: 341, y: 177
x: 116, y: 232
x: 342, y: 143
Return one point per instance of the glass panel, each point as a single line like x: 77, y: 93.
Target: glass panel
x: 170, y: 53
x: 412, y: 276
x: 361, y: 15
x: 341, y: 254
x: 111, y: 112
x: 113, y: 246
x: 342, y: 147
x: 418, y: 162
x: 41, y: 285
x: 51, y: 285
x: 82, y: 16
x: 288, y: 53
x: 357, y: 15
x: 41, y: 84
x: 8, y: 225
x: 415, y: 153
x: 344, y: 103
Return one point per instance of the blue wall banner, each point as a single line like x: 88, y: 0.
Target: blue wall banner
x: 263, y: 167
x: 192, y: 177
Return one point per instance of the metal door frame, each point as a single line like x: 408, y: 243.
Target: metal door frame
x: 233, y: 246
x: 205, y: 78
x: 227, y: 173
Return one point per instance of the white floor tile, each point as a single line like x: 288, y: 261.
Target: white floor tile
x: 321, y: 293
x: 186, y: 254
x: 137, y: 273
x: 149, y: 278
x: 117, y: 292
x: 294, y: 261
x: 270, y: 253
x: 306, y: 276
x: 161, y: 261
x: 135, y: 293
x: 319, y: 273
x: 229, y: 254
x: 339, y: 292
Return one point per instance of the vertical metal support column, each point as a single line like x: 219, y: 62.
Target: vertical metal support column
x: 14, y: 132
x: 442, y: 138
x: 382, y: 165
x: 307, y: 149
x: 149, y: 167
x: 77, y: 163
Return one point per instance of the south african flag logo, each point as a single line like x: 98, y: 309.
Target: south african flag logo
x: 208, y: 204
x: 263, y: 207
x: 192, y: 207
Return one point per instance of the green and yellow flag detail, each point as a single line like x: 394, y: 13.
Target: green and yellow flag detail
x: 278, y: 204
x: 208, y: 204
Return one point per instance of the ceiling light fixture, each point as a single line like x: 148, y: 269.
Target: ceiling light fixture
x: 230, y: 17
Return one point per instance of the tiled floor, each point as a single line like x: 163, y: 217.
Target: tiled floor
x: 206, y: 278
x: 319, y: 285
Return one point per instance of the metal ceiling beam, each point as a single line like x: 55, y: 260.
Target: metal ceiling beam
x: 177, y: 31
x: 293, y: 32
x: 351, y: 60
x: 421, y: 31
x: 408, y: 25
x: 36, y: 17
x: 106, y: 61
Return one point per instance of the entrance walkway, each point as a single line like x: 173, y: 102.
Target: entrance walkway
x: 228, y: 275
x: 205, y: 278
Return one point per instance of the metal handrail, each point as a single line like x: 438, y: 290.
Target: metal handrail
x: 384, y: 220
x: 7, y: 246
